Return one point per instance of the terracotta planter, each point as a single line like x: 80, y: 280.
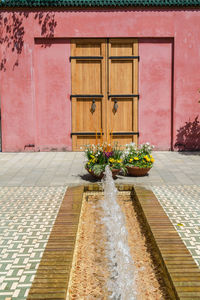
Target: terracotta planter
x: 137, y: 172
x: 100, y: 176
x: 115, y: 172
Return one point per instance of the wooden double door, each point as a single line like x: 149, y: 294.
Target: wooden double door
x: 104, y: 91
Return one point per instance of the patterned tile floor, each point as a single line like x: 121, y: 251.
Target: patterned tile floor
x: 182, y: 205
x: 27, y: 215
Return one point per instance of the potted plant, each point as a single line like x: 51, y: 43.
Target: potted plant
x: 138, y: 161
x: 99, y: 156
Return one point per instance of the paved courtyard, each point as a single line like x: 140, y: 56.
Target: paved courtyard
x: 32, y: 186
x: 67, y: 168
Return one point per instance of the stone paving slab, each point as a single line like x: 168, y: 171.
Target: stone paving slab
x: 27, y: 216
x: 67, y: 168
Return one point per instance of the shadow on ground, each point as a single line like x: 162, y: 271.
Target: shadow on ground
x: 88, y: 177
x: 188, y: 153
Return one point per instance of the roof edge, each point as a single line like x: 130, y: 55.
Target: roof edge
x: 99, y: 3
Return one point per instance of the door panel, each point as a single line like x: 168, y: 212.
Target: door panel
x: 123, y: 90
x: 119, y: 120
x: 121, y: 77
x: 104, y: 91
x: 87, y: 47
x: 88, y: 91
x: 87, y: 120
x: 122, y: 140
x: 87, y: 77
x: 121, y: 47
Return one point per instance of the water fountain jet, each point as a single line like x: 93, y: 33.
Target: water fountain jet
x: 121, y: 267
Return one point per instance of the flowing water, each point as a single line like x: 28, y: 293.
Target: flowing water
x: 120, y: 263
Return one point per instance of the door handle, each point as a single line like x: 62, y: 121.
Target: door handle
x: 115, y: 108
x: 93, y: 107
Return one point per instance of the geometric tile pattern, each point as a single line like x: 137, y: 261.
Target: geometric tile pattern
x: 27, y: 215
x: 182, y: 205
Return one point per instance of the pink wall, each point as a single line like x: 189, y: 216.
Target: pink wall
x: 35, y: 80
x: 52, y: 94
x: 155, y: 102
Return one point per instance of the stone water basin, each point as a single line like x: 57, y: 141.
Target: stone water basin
x: 90, y: 271
x: 75, y: 265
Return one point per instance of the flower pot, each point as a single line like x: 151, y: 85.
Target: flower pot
x: 100, y: 176
x: 115, y: 172
x: 137, y: 172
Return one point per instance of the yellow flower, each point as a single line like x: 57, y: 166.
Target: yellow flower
x: 92, y: 156
x: 147, y: 158
x: 130, y: 160
x: 136, y: 158
x: 119, y: 161
x: 152, y: 159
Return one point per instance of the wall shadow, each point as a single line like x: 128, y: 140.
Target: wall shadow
x: 188, y: 136
x: 12, y: 32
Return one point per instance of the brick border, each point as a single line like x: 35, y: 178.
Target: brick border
x: 178, y: 269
